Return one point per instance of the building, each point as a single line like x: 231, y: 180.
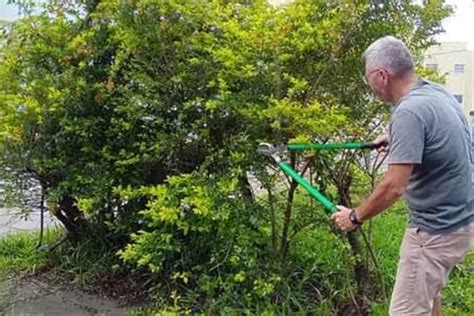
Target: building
x: 456, y: 61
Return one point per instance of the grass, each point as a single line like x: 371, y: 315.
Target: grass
x: 19, y: 253
x: 317, y: 247
x: 89, y: 259
x: 457, y: 296
x: 322, y: 247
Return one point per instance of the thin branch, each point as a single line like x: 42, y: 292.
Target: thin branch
x: 374, y: 259
x: 306, y: 225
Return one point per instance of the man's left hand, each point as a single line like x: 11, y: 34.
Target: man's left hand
x: 341, y: 219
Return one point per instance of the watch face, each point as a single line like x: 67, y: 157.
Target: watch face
x: 353, y: 218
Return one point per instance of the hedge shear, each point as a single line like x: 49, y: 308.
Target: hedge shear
x: 273, y: 152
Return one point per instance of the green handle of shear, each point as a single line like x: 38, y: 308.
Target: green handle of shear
x: 296, y: 147
x: 328, y: 205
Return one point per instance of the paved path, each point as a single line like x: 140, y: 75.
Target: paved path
x: 35, y: 297
x: 32, y: 296
x: 12, y: 221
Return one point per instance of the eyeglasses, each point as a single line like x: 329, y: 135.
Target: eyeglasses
x: 365, y: 77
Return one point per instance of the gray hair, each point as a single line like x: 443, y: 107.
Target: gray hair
x: 390, y: 53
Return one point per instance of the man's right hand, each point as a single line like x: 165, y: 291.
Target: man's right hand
x: 382, y: 140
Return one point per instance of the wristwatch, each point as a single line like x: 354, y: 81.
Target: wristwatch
x: 353, y: 218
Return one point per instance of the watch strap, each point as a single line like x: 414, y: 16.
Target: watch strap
x: 353, y: 218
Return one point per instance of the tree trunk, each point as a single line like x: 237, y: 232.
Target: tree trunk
x: 246, y: 188
x: 361, y: 270
x: 285, y: 242
x: 70, y: 216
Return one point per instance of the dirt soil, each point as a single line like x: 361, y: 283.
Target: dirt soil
x: 33, y: 295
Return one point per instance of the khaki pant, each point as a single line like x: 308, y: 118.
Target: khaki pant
x: 425, y: 262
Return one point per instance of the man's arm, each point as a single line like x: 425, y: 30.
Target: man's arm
x: 407, y: 143
x: 387, y: 191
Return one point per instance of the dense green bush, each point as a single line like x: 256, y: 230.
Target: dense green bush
x: 140, y: 119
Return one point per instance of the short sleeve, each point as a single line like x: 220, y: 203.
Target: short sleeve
x: 407, y: 138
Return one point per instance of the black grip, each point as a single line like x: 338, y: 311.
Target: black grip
x: 374, y: 146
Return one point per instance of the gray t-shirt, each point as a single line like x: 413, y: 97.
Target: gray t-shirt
x: 429, y: 130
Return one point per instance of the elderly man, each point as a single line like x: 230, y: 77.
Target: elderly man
x: 430, y: 163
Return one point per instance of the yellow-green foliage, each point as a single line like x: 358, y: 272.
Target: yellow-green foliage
x: 141, y: 118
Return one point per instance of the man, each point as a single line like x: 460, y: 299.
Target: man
x: 430, y: 163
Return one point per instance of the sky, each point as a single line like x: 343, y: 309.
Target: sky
x: 459, y: 27
x: 7, y: 12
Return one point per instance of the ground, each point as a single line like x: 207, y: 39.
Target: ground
x: 35, y: 295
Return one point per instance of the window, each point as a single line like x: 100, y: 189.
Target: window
x: 458, y: 97
x: 432, y: 66
x: 458, y: 68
